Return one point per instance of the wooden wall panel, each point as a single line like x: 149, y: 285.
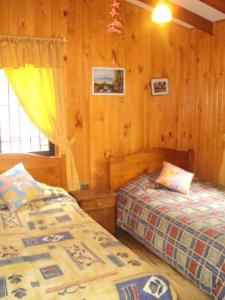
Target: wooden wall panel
x: 209, y: 98
x: 191, y: 116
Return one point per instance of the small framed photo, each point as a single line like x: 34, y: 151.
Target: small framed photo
x: 160, y: 86
x: 108, y: 81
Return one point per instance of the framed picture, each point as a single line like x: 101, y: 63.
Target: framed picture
x: 108, y: 81
x: 160, y: 86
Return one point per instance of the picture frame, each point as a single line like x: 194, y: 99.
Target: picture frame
x: 160, y: 86
x: 107, y: 81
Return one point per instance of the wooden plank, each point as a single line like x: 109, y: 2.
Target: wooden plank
x: 43, y: 18
x: 78, y: 81
x: 26, y: 17
x: 186, y: 16
x: 4, y: 15
x: 217, y: 4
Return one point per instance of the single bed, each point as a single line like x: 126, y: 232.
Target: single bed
x: 187, y: 231
x: 51, y: 249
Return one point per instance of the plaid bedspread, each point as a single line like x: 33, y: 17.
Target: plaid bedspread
x: 187, y: 231
x: 51, y: 249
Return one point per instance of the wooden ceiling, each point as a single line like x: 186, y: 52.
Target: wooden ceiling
x: 183, y: 12
x: 217, y: 4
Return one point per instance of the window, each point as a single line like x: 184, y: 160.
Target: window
x: 17, y: 133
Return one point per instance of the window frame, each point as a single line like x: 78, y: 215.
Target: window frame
x: 50, y: 152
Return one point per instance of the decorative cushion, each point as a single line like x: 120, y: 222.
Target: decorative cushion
x: 175, y: 178
x: 17, y: 187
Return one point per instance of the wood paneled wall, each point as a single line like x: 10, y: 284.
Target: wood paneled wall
x: 191, y: 116
x: 208, y: 77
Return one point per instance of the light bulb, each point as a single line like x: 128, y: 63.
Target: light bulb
x: 161, y: 14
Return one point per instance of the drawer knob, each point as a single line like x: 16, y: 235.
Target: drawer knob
x: 99, y: 203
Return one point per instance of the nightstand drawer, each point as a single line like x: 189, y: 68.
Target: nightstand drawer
x: 99, y: 203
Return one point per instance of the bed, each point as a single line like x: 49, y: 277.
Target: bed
x: 187, y: 231
x: 51, y: 249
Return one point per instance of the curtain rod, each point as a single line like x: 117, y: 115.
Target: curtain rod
x: 35, y: 38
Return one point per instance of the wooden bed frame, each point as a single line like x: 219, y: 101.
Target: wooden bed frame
x: 123, y: 169
x: 46, y: 169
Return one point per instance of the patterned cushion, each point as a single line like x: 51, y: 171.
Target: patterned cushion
x: 17, y: 187
x: 175, y: 178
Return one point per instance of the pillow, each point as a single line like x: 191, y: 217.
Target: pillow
x: 17, y: 187
x: 175, y: 178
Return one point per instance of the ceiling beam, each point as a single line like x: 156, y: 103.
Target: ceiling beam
x: 186, y: 15
x: 217, y: 4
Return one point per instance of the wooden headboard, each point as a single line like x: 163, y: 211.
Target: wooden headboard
x: 49, y: 170
x: 123, y: 169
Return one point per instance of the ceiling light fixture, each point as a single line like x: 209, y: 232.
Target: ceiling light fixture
x: 162, y: 14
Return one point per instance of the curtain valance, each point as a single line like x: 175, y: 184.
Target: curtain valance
x: 17, y: 51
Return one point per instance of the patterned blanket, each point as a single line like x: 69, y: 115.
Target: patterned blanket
x: 187, y: 231
x: 51, y: 249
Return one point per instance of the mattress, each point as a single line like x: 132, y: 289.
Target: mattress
x: 51, y: 249
x: 187, y: 231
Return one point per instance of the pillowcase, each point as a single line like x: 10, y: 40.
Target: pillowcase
x: 175, y: 178
x: 17, y: 187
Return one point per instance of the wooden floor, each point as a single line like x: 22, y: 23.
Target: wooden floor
x: 184, y: 288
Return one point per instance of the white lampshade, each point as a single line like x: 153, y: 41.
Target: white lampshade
x: 161, y: 14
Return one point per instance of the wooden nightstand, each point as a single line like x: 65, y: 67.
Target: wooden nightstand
x: 100, y: 205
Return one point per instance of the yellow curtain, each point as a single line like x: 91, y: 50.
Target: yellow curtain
x: 34, y: 67
x: 41, y: 94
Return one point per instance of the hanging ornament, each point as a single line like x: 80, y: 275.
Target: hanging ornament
x: 116, y: 26
x: 114, y: 12
x: 115, y: 4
